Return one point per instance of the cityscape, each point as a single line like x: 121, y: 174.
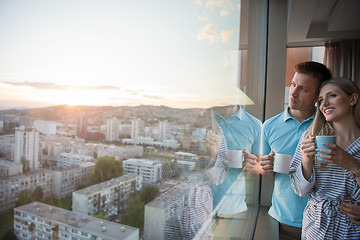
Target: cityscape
x: 156, y: 151
x: 107, y: 124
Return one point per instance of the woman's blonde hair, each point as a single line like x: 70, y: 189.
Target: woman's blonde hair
x: 322, y: 127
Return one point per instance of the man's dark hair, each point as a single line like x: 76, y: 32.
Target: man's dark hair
x: 315, y: 69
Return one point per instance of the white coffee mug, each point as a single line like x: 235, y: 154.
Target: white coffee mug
x: 282, y: 163
x: 236, y: 158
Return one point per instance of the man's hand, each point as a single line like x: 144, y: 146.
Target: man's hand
x: 267, y: 164
x: 249, y: 160
x: 351, y: 210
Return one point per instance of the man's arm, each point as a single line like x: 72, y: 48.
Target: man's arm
x: 351, y: 210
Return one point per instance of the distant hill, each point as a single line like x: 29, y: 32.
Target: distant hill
x: 98, y: 114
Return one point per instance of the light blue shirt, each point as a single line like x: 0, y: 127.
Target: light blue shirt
x: 241, y: 131
x: 281, y: 134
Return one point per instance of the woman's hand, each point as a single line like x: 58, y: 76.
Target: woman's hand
x: 339, y: 157
x: 308, y: 150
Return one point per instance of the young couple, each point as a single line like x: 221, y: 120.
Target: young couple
x: 327, y: 208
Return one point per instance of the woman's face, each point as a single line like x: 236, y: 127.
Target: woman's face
x: 334, y: 103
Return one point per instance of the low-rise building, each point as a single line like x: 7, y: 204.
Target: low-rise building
x: 58, y: 183
x: 41, y: 221
x: 108, y: 198
x: 71, y: 159
x: 10, y: 187
x: 120, y: 153
x: 151, y: 171
x: 67, y: 180
x: 7, y: 146
x: 8, y: 168
x: 45, y: 127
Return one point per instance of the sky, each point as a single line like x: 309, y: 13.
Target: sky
x: 178, y: 53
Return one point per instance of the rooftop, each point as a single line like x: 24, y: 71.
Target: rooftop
x: 102, y: 186
x: 99, y: 227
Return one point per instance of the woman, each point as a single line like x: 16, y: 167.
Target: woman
x: 338, y: 113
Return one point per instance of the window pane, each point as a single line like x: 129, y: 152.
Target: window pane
x: 174, y: 90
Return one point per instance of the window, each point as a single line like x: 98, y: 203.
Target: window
x: 189, y: 82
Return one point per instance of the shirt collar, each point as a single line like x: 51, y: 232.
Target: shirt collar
x: 287, y: 115
x: 239, y: 114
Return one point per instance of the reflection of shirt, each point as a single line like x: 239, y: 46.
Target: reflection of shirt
x: 326, y: 188
x: 281, y: 134
x: 241, y: 131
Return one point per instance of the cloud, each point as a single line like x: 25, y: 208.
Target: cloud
x: 197, y: 2
x: 226, y: 34
x: 219, y: 3
x: 203, y: 18
x: 154, y: 97
x: 208, y: 32
x: 224, y: 12
x: 53, y: 86
x: 131, y: 92
x: 51, y: 36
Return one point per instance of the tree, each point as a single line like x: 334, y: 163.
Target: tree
x: 148, y: 193
x: 100, y: 216
x: 105, y: 169
x: 9, y: 235
x: 25, y: 163
x: 24, y: 197
x: 38, y: 194
x: 134, y: 214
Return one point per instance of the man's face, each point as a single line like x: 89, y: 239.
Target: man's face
x: 302, y: 94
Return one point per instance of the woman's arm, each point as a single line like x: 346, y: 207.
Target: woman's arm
x: 301, y: 185
x: 341, y: 158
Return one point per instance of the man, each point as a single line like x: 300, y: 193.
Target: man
x: 281, y: 135
x: 241, y: 131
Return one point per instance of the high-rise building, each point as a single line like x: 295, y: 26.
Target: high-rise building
x: 41, y: 221
x: 137, y: 128
x: 112, y: 129
x: 163, y: 127
x: 82, y: 126
x: 28, y: 146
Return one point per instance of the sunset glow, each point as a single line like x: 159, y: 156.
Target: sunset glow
x: 181, y: 54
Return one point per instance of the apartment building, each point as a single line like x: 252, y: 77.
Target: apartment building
x: 67, y: 180
x: 151, y: 171
x: 28, y: 145
x: 8, y: 168
x: 112, y: 129
x: 82, y: 125
x: 7, y: 144
x: 58, y: 184
x: 180, y: 213
x: 120, y: 153
x: 41, y: 221
x: 108, y: 198
x: 71, y: 159
x: 189, y: 157
x: 10, y: 187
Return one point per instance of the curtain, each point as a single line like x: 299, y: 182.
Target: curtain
x: 343, y: 59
